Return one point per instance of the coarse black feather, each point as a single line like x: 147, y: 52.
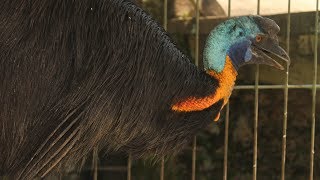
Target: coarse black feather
x: 79, y: 74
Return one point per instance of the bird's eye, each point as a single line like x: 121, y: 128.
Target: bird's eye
x: 258, y: 38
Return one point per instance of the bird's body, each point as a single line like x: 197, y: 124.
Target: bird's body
x: 95, y: 78
x: 75, y: 75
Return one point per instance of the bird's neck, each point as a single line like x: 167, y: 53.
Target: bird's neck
x: 226, y: 78
x: 227, y: 75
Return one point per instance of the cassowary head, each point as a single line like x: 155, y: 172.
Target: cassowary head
x: 245, y: 40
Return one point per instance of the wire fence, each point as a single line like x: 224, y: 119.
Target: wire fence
x: 256, y: 87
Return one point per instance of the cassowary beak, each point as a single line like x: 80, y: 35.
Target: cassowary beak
x: 266, y: 46
x: 264, y: 52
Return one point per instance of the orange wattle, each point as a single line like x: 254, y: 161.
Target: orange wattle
x: 226, y: 80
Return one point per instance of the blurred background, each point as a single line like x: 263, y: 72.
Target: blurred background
x: 298, y: 37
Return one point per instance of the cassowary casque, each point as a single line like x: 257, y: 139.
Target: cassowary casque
x: 80, y: 74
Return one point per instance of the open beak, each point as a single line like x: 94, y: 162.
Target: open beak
x: 264, y: 53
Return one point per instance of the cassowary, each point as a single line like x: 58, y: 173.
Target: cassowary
x: 80, y: 74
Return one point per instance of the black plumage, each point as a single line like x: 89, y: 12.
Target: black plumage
x: 75, y: 75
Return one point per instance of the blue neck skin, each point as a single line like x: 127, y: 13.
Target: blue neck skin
x: 240, y: 53
x: 231, y: 38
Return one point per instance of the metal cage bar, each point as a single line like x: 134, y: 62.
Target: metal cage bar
x: 256, y: 114
x: 226, y: 132
x: 285, y: 108
x: 290, y: 86
x: 165, y: 26
x: 194, y: 144
x: 314, y: 91
x: 129, y: 164
x: 95, y: 163
x: 162, y: 169
x: 165, y: 14
x: 226, y: 141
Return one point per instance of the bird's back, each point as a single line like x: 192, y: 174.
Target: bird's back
x: 80, y: 74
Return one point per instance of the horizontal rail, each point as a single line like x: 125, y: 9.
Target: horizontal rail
x: 293, y: 86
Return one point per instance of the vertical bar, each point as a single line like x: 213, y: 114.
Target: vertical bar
x: 229, y: 8
x: 314, y: 91
x: 194, y: 144
x: 162, y: 169
x: 226, y: 139
x: 256, y: 113
x: 197, y: 34
x: 165, y: 14
x: 129, y: 167
x: 95, y: 163
x: 226, y: 132
x: 165, y: 26
x: 285, y: 111
x: 194, y: 155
